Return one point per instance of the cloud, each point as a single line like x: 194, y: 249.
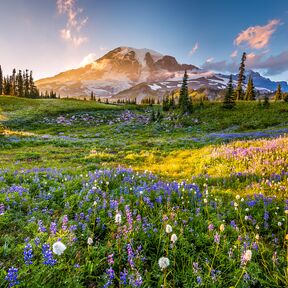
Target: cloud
x: 209, y: 59
x: 194, y: 49
x: 257, y: 37
x: 220, y: 66
x: 272, y: 65
x: 234, y: 54
x: 275, y: 64
x: 74, y: 23
x: 88, y: 59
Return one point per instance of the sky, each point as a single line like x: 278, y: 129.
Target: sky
x: 51, y: 36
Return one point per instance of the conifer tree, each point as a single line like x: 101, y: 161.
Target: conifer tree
x: 266, y: 102
x: 20, y: 84
x: 1, y: 81
x: 278, y: 94
x: 250, y: 91
x: 241, y: 77
x: 229, y: 101
x: 185, y: 102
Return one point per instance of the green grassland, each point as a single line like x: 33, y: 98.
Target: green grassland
x: 101, y: 136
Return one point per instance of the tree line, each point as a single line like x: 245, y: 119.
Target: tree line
x: 22, y: 84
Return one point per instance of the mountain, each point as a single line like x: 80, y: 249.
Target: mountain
x: 126, y: 73
x: 260, y: 82
x: 120, y: 69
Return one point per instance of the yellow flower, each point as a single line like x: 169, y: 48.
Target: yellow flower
x: 222, y: 227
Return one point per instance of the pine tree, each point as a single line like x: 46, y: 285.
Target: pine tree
x: 20, y: 84
x: 278, y: 94
x: 26, y: 84
x: 241, y: 78
x: 1, y: 81
x: 185, y: 102
x: 13, y: 83
x: 266, y: 102
x: 250, y: 91
x: 229, y: 101
x: 92, y: 96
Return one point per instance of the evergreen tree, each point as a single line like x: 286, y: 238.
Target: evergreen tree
x: 152, y: 116
x: 185, y: 102
x: 20, y: 84
x: 241, y: 78
x: 250, y: 91
x: 92, y: 96
x: 13, y: 83
x: 229, y: 101
x: 1, y: 81
x: 266, y: 103
x: 278, y: 94
x: 26, y: 84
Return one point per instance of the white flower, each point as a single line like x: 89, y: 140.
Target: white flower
x: 247, y: 209
x: 246, y: 256
x: 174, y: 238
x: 279, y: 224
x: 205, y: 200
x: 246, y: 217
x: 89, y: 241
x: 257, y: 227
x: 237, y: 197
x: 257, y: 236
x: 58, y: 248
x: 163, y: 263
x: 286, y: 212
x: 118, y: 218
x: 168, y: 228
x: 235, y: 204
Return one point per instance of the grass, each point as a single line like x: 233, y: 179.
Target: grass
x: 61, y: 158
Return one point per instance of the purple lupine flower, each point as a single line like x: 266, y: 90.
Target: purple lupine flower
x: 37, y: 241
x: 266, y: 215
x: 123, y: 276
x: 110, y: 259
x: 2, y: 208
x: 41, y: 228
x: 53, y: 228
x: 64, y: 222
x: 195, y: 267
x: 199, y: 280
x: 211, y: 227
x: 217, y: 238
x: 12, y: 276
x: 129, y: 218
x: 131, y: 255
x: 28, y: 254
x: 48, y: 255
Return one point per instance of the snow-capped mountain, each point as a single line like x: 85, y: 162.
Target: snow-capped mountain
x: 120, y: 69
x: 129, y: 72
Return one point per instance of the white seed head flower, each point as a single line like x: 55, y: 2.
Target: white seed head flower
x: 257, y: 236
x: 58, y: 248
x: 246, y: 217
x: 89, y: 241
x: 286, y: 212
x: 237, y: 197
x: 168, y: 228
x: 235, y: 204
x: 279, y: 224
x: 242, y: 199
x: 118, y: 218
x: 163, y: 263
x: 247, y: 256
x: 174, y: 238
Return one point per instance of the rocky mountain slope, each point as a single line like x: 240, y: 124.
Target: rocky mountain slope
x: 126, y: 73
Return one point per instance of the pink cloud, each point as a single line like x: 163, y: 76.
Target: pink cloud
x: 257, y: 37
x: 194, y: 49
x: 234, y: 54
x: 74, y: 24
